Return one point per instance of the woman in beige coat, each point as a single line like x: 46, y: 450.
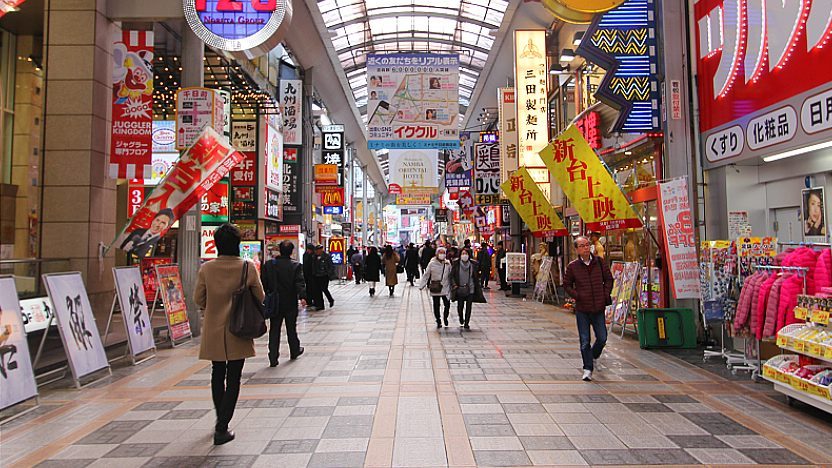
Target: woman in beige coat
x: 218, y: 279
x: 390, y: 260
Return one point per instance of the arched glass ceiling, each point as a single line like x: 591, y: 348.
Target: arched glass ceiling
x: 359, y: 27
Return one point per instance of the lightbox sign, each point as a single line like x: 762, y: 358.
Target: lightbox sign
x: 764, y: 76
x: 251, y: 27
x: 530, y: 76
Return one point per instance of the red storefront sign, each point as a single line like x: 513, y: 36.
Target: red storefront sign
x: 131, y: 142
x: 331, y: 196
x: 590, y: 127
x: 214, y: 204
x: 245, y: 173
x: 135, y: 196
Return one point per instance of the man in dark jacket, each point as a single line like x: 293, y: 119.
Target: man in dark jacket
x: 284, y: 285
x: 324, y: 271
x: 501, y: 266
x: 411, y: 263
x: 309, y: 264
x: 427, y: 253
x: 589, y: 281
x: 484, y: 260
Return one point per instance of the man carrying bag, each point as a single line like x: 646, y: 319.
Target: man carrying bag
x: 284, y: 284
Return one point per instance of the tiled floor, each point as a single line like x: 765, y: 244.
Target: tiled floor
x: 379, y: 385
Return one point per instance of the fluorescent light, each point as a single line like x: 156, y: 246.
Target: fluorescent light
x: 567, y: 55
x: 576, y: 41
x: 798, y: 151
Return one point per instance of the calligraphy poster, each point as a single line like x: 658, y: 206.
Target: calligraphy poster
x: 532, y: 205
x: 413, y: 101
x: 17, y: 378
x: 414, y: 170
x: 291, y: 99
x: 133, y: 305
x: 587, y: 183
x: 507, y: 112
x: 148, y: 266
x: 487, y: 173
x: 174, y: 299
x: 76, y: 323
x: 204, y: 164
x: 131, y: 142
x: 679, y: 239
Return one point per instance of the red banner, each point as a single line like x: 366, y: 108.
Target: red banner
x: 245, y: 173
x: 131, y: 145
x: 206, y: 162
x: 331, y: 196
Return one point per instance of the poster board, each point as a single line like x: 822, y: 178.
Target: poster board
x: 253, y: 251
x: 515, y: 267
x: 76, y: 323
x: 17, y: 377
x: 133, y: 303
x: 627, y: 284
x: 753, y: 252
x: 176, y: 311
x: 543, y: 277
x: 149, y: 280
x: 616, y: 268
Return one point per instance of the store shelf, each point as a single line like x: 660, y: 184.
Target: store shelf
x: 821, y: 358
x: 809, y: 399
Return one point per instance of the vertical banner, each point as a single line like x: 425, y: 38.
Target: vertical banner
x: 196, y: 109
x: 532, y: 205
x: 679, y: 240
x: 291, y: 98
x: 587, y: 183
x: 17, y: 378
x: 530, y: 76
x: 487, y: 173
x: 273, y: 153
x: 459, y: 165
x: 414, y: 170
x: 133, y: 305
x: 332, y: 151
x: 131, y: 142
x: 507, y: 111
x: 173, y: 296
x: 292, y: 175
x: 413, y: 101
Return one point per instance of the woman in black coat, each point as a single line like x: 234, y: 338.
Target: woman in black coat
x: 372, y: 269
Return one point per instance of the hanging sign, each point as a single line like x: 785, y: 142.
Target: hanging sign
x: 164, y: 136
x: 17, y: 378
x: 273, y: 153
x: 466, y: 203
x: 291, y: 99
x: 196, y: 109
x: 176, y: 311
x: 530, y: 76
x: 209, y: 247
x: 587, y: 184
x: 487, y: 173
x: 244, y: 135
x: 292, y: 191
x: 133, y: 304
x: 413, y: 199
x: 244, y: 174
x: 532, y: 205
x: 413, y: 169
x: 331, y: 195
x: 507, y: 111
x: 214, y: 204
x: 273, y: 205
x: 337, y: 250
x: 679, y: 240
x: 131, y: 142
x: 326, y: 174
x: 459, y: 164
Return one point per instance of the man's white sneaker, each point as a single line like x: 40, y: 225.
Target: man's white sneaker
x: 596, y: 365
x: 587, y: 376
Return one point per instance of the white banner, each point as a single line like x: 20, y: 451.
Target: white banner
x: 507, y: 112
x: 273, y: 152
x: 76, y: 323
x: 209, y: 248
x: 487, y: 173
x: 679, y: 240
x: 134, y: 308
x: 17, y: 379
x: 414, y: 169
x: 291, y: 98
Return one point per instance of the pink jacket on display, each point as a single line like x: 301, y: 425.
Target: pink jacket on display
x: 769, y: 329
x: 823, y: 270
x: 758, y: 314
x: 788, y: 300
x: 744, y: 303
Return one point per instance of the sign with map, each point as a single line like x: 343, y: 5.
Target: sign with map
x: 413, y: 101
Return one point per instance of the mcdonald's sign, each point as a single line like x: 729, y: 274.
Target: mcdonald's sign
x: 331, y: 196
x: 336, y: 250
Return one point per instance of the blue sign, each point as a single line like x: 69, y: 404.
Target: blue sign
x: 337, y: 258
x: 334, y: 210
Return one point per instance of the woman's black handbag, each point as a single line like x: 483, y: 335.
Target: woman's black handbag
x: 247, y: 314
x: 435, y: 287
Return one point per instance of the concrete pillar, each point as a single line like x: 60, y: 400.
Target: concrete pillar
x: 364, y: 208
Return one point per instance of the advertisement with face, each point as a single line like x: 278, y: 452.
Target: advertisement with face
x: 814, y: 219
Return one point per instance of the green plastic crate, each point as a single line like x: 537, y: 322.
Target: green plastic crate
x: 666, y: 328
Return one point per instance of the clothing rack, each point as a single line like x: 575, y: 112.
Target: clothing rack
x: 805, y: 244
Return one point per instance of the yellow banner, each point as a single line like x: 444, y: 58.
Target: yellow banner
x: 531, y: 203
x: 587, y: 184
x: 412, y: 199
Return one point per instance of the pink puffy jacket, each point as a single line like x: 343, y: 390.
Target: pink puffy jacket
x: 823, y: 270
x: 771, y: 306
x: 745, y: 300
x: 758, y: 314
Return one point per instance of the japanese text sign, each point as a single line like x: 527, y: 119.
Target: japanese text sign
x: 507, y: 112
x: 244, y: 174
x: 487, y: 173
x: 532, y: 205
x: 326, y: 174
x: 196, y: 108
x: 244, y: 135
x: 459, y: 163
x: 214, y: 204
x: 530, y: 77
x: 291, y: 99
x: 679, y: 240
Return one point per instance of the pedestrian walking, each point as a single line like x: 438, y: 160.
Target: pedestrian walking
x: 284, y: 284
x: 427, y: 253
x: 501, y: 266
x: 465, y: 284
x: 411, y: 263
x: 324, y: 271
x: 484, y: 261
x: 309, y: 263
x: 217, y: 281
x: 390, y: 261
x: 372, y: 269
x: 437, y: 279
x: 589, y: 281
x: 357, y: 262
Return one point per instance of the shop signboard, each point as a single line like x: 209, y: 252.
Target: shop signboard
x: 330, y: 195
x: 441, y: 215
x: 244, y: 135
x: 244, y: 174
x: 413, y: 169
x: 746, y: 52
x: 679, y: 239
x: 459, y: 165
x: 590, y: 126
x: 326, y: 174
x: 246, y: 28
x: 243, y: 205
x: 196, y: 109
x: 131, y: 142
x: 163, y: 136
x: 205, y: 163
x: 273, y: 205
x: 532, y: 205
x: 332, y: 149
x: 507, y: 112
x: 173, y: 297
x: 291, y: 98
x: 814, y: 215
x: 333, y: 210
x: 292, y: 192
x: 487, y: 173
x: 413, y: 100
x: 273, y: 154
x: 148, y: 267
x: 413, y: 199
x: 337, y: 250
x: 36, y: 313
x: 208, y: 250
x: 17, y: 378
x: 214, y: 204
x: 515, y: 267
x: 76, y: 323
x: 530, y: 78
x: 289, y: 229
x: 587, y: 183
x: 135, y: 196
x: 133, y: 304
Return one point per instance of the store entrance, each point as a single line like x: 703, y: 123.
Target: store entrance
x: 786, y: 224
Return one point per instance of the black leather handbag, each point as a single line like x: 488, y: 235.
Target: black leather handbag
x: 247, y: 313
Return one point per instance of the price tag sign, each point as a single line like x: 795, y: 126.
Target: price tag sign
x: 783, y: 377
x: 814, y: 348
x: 821, y: 316
x: 799, y: 345
x: 801, y: 313
x: 817, y: 390
x: 827, y: 352
x: 782, y: 340
x: 769, y: 372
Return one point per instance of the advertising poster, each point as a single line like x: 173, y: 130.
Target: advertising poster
x: 133, y: 305
x: 248, y: 229
x: 214, y: 205
x: 163, y: 136
x: 621, y: 302
x: 487, y: 173
x: 459, y: 165
x: 244, y: 174
x: 76, y: 323
x: 414, y: 170
x: 679, y: 239
x: 753, y: 251
x: 587, y: 183
x: 203, y: 165
x: 160, y: 165
x: 196, y: 109
x: 413, y: 199
x: 466, y: 204
x: 651, y: 288
x: 17, y: 378
x: 244, y: 205
x: 148, y: 266
x: 814, y: 214
x: 131, y: 143
x: 532, y: 206
x: 738, y: 225
x: 244, y: 136
x: 616, y: 268
x: 530, y: 78
x: 515, y: 267
x: 507, y: 112
x: 36, y: 313
x: 209, y: 247
x: 253, y: 251
x: 174, y: 299
x: 413, y: 101
x: 273, y: 150
x: 291, y: 99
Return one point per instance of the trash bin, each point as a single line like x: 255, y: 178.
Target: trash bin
x: 666, y: 328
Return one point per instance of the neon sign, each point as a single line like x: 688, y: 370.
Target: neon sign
x: 250, y: 27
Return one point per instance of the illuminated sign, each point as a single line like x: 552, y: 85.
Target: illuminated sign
x: 530, y: 75
x: 251, y: 27
x: 334, y: 210
x: 273, y: 205
x: 336, y: 250
x: 331, y: 196
x: 326, y: 174
x: 590, y: 127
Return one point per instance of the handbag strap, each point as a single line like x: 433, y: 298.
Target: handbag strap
x: 244, y: 276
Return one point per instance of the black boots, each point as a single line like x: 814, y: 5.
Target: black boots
x: 223, y: 437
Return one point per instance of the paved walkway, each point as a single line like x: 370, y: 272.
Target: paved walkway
x: 380, y: 386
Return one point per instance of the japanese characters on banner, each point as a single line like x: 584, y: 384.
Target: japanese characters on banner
x: 467, y: 204
x: 532, y: 205
x: 291, y: 98
x: 414, y: 169
x: 530, y: 75
x: 413, y: 101
x: 679, y: 239
x: 176, y: 311
x: 244, y: 135
x: 214, y: 204
x: 273, y: 153
x: 244, y: 174
x: 292, y: 173
x: 17, y: 378
x: 754, y: 251
x: 76, y: 323
x: 326, y: 174
x: 587, y: 183
x: 204, y: 164
x: 133, y: 305
x: 272, y: 205
x: 244, y: 204
x: 131, y: 143
x: 196, y: 109
x: 507, y: 112
x: 487, y: 173
x: 332, y: 151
